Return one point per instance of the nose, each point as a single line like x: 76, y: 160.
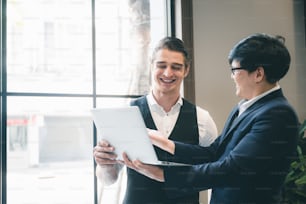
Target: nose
x: 168, y: 71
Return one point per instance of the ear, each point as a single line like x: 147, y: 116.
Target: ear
x: 186, y: 71
x: 260, y: 74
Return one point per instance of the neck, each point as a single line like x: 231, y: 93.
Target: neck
x: 263, y: 88
x: 165, y: 100
x: 266, y: 87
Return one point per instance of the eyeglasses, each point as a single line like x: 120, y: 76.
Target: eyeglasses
x: 233, y: 70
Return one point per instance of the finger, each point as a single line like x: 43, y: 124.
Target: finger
x: 128, y: 162
x: 105, y: 155
x: 105, y: 158
x: 104, y: 143
x: 155, y: 133
x: 109, y: 149
x: 105, y: 161
x: 157, y: 140
x: 139, y: 165
x: 126, y: 158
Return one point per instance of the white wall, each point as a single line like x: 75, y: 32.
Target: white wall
x: 219, y: 24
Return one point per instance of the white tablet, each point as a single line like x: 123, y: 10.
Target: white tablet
x: 124, y: 128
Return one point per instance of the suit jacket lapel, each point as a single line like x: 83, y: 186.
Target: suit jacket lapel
x: 231, y: 118
x: 231, y: 123
x: 228, y: 123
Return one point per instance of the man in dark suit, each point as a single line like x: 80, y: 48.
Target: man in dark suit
x: 248, y: 162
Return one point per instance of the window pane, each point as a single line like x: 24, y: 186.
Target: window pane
x: 125, y: 31
x: 49, y: 46
x: 49, y: 150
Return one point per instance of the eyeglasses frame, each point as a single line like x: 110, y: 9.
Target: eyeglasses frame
x: 233, y: 69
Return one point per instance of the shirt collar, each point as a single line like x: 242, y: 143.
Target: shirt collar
x: 245, y: 104
x: 154, y: 106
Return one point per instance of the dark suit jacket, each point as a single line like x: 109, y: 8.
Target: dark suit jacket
x: 249, y: 160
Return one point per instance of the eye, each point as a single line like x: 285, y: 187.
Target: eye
x: 161, y: 65
x: 176, y: 66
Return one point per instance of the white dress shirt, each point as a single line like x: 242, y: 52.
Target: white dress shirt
x: 165, y: 121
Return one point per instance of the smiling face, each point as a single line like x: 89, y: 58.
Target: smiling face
x: 168, y: 72
x: 245, y: 82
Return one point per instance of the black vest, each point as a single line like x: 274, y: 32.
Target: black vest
x: 143, y: 190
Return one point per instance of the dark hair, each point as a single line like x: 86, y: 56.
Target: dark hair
x: 173, y: 44
x: 262, y: 50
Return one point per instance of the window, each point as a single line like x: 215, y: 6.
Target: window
x: 64, y: 57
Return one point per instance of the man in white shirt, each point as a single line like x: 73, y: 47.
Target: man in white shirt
x: 163, y: 109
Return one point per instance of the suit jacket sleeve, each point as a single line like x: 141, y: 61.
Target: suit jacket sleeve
x: 194, y: 154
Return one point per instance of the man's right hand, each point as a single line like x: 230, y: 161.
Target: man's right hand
x: 107, y: 166
x: 104, y: 154
x: 161, y: 141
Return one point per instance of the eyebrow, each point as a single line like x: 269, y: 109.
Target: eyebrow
x: 163, y: 62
